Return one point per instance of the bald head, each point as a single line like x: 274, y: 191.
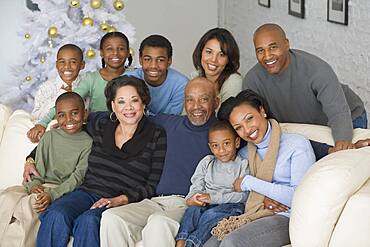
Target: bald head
x: 202, y: 83
x: 272, y: 48
x: 268, y: 27
x: 200, y: 100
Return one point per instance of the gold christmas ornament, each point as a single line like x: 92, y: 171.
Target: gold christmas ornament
x: 74, y: 3
x: 27, y: 36
x: 42, y: 59
x: 104, y: 27
x: 90, y: 53
x: 111, y: 29
x: 132, y: 51
x: 87, y: 21
x: 53, y: 32
x: 28, y: 78
x: 95, y: 4
x: 118, y: 5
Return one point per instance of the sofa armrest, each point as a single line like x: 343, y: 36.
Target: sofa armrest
x: 353, y: 226
x: 323, y: 193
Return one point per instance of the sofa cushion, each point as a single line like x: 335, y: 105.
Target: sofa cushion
x: 353, y: 227
x: 323, y: 193
x: 14, y: 148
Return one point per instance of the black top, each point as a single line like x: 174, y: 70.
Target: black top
x: 133, y: 170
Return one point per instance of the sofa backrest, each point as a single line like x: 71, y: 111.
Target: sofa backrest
x: 5, y: 113
x: 14, y: 148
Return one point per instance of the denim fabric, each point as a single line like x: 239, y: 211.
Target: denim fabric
x: 271, y: 231
x: 197, y: 222
x: 320, y: 149
x: 361, y: 121
x: 71, y: 215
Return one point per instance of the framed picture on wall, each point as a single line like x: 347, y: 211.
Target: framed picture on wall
x: 338, y: 11
x: 296, y: 8
x: 264, y: 3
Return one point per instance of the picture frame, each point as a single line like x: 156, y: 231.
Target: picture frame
x: 264, y: 3
x: 337, y: 11
x: 296, y: 8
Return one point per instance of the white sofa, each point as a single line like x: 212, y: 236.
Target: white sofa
x: 331, y: 207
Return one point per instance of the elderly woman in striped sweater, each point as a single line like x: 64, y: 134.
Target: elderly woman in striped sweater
x: 124, y: 166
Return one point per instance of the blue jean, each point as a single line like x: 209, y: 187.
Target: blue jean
x: 71, y: 215
x: 197, y: 222
x: 361, y: 121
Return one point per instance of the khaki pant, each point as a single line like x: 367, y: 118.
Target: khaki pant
x: 18, y: 221
x: 155, y: 221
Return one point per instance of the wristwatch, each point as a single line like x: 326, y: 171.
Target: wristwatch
x: 30, y: 160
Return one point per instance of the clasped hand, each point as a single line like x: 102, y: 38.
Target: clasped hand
x: 199, y: 199
x: 43, y: 199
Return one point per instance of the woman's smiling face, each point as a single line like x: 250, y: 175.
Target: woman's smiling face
x: 213, y: 60
x: 249, y: 123
x: 128, y: 106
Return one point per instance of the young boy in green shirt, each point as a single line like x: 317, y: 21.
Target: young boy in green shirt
x: 61, y: 159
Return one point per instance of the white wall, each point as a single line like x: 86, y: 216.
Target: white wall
x: 182, y: 22
x: 10, y: 42
x: 346, y: 48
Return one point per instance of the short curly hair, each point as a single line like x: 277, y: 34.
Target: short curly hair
x: 156, y: 40
x: 112, y: 87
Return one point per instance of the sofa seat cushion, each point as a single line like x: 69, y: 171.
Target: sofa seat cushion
x: 323, y: 193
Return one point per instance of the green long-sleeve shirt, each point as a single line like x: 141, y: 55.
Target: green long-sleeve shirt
x: 92, y: 87
x: 61, y: 159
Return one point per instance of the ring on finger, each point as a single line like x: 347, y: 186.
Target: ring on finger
x: 108, y: 202
x: 270, y: 207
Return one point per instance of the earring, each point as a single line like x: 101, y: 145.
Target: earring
x: 146, y: 111
x: 126, y: 64
x: 264, y: 115
x: 113, y: 117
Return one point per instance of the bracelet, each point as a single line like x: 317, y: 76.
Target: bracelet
x: 30, y: 160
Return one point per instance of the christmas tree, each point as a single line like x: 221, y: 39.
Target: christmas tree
x: 53, y: 24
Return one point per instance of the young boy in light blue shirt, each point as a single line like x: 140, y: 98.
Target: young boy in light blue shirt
x: 166, y: 85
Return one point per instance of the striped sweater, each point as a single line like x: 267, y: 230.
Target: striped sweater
x: 134, y: 170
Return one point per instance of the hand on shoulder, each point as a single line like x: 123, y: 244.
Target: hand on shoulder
x: 36, y: 133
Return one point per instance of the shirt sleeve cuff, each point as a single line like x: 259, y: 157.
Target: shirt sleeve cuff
x: 245, y: 183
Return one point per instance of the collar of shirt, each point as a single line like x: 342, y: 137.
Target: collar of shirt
x: 64, y: 84
x: 266, y: 139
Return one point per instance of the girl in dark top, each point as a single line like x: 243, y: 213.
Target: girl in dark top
x: 124, y: 166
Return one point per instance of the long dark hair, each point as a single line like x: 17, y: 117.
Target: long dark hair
x: 118, y: 35
x: 228, y: 46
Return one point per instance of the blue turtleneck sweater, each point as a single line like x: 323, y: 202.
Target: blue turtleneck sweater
x: 186, y: 146
x: 295, y: 157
